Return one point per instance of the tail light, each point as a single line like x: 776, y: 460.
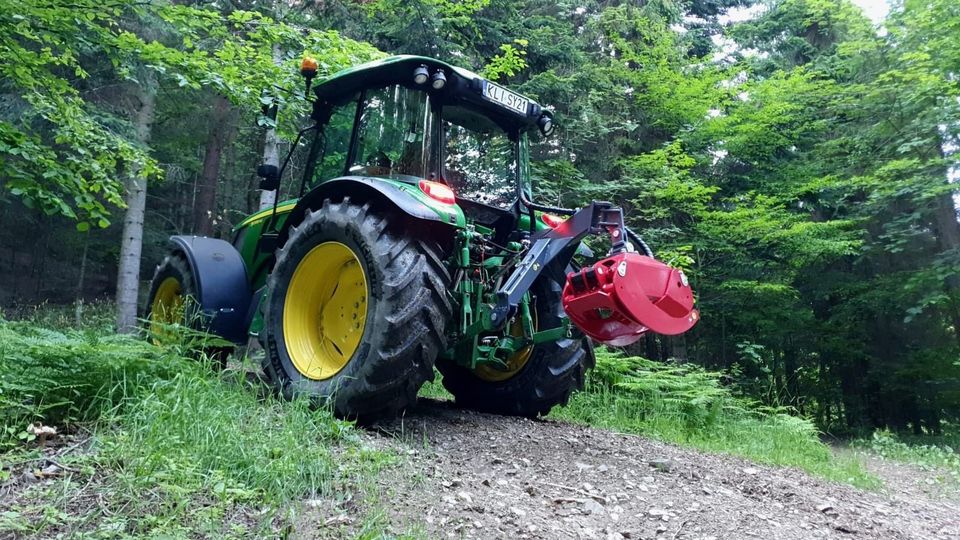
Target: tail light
x: 438, y: 192
x: 551, y: 220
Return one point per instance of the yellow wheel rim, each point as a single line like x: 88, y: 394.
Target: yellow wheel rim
x: 166, y: 308
x: 516, y: 361
x: 325, y: 310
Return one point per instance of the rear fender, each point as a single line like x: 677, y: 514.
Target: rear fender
x: 221, y: 280
x: 360, y: 189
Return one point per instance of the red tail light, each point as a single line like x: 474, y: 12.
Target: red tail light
x: 437, y: 192
x: 551, y: 220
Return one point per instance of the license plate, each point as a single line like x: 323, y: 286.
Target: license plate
x: 506, y: 98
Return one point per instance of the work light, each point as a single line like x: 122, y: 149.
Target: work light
x: 545, y: 123
x: 420, y: 75
x: 438, y: 80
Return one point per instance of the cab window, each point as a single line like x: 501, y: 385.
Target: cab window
x: 479, y: 158
x: 393, y: 135
x: 336, y: 142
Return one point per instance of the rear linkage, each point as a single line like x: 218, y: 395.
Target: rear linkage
x: 614, y: 301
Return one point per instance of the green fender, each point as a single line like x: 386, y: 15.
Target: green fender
x: 403, y: 196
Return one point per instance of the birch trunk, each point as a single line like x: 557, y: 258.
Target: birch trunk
x: 271, y: 147
x: 128, y: 275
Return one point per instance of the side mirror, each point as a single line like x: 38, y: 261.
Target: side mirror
x: 269, y: 177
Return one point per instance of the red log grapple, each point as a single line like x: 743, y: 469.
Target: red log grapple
x: 616, y: 300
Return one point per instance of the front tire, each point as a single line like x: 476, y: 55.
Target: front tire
x: 173, y: 300
x: 549, y: 373
x: 355, y: 312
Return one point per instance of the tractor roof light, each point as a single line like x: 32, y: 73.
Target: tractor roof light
x: 545, y: 123
x: 420, y: 75
x: 308, y: 67
x: 438, y: 192
x: 439, y: 80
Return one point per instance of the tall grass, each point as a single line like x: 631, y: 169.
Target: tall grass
x: 177, y: 448
x: 201, y: 439
x: 683, y: 404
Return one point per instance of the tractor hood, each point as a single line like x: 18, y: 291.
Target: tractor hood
x: 512, y: 111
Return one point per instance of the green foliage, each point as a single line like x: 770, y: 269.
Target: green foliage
x: 931, y: 453
x: 507, y: 64
x: 71, y: 375
x: 684, y: 404
x: 53, y: 152
x: 63, y: 152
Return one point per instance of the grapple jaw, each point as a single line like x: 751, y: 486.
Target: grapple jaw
x: 616, y: 300
x: 613, y: 301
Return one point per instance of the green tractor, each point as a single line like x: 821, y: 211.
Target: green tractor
x: 413, y: 243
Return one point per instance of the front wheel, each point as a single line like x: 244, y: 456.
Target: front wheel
x: 536, y: 378
x: 355, y: 312
x: 173, y: 301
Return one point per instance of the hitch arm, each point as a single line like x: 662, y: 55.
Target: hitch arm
x: 556, y: 245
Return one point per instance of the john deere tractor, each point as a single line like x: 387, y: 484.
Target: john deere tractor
x: 413, y: 242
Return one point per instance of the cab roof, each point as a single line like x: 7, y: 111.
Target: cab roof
x: 463, y: 87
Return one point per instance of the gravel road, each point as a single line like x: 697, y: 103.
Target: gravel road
x: 470, y: 475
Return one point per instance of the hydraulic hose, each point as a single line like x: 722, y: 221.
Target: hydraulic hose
x: 634, y: 237
x: 544, y: 208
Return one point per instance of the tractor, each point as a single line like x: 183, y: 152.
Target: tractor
x: 413, y: 243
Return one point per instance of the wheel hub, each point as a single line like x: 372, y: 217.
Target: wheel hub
x: 166, y: 308
x: 325, y: 310
x: 515, y: 362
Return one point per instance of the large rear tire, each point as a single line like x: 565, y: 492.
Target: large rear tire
x: 549, y: 373
x: 355, y: 312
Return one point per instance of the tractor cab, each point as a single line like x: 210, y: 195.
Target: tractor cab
x: 442, y: 130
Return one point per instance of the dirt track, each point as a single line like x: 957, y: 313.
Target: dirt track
x: 468, y: 475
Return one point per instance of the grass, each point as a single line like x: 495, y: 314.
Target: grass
x: 686, y: 405
x: 434, y: 389
x: 92, y: 315
x: 171, y: 447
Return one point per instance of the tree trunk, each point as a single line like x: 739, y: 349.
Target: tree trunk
x: 948, y: 237
x: 271, y: 146
x: 40, y: 260
x: 678, y: 346
x: 128, y: 275
x: 947, y: 224
x: 83, y: 271
x: 205, y: 206
x: 271, y: 156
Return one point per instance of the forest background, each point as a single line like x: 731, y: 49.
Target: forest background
x: 796, y: 159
